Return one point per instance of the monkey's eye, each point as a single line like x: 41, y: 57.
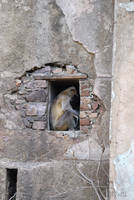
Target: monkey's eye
x: 73, y: 90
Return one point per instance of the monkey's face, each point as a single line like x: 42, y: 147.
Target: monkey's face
x: 71, y: 91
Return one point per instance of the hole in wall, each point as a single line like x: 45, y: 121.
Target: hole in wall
x: 11, y: 184
x: 55, y: 88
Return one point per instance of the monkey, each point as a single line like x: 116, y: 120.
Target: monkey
x: 62, y: 116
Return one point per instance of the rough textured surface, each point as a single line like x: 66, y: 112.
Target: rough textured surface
x: 2, y: 183
x: 57, y: 180
x: 122, y: 106
x: 43, y: 41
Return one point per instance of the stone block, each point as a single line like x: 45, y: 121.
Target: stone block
x: 34, y: 85
x: 37, y: 96
x: 36, y: 109
x: 39, y: 125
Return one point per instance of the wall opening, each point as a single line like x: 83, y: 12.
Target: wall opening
x: 55, y: 87
x: 11, y: 184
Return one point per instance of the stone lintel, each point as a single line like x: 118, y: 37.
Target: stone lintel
x: 41, y: 76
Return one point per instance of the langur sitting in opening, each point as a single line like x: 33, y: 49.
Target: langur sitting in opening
x: 63, y: 117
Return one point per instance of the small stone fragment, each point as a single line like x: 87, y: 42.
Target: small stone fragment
x: 95, y: 105
x: 93, y: 115
x: 70, y: 69
x: 82, y: 114
x: 57, y: 70
x: 27, y: 123
x: 20, y: 101
x: 18, y: 82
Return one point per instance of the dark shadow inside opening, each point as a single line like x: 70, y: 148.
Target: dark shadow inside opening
x: 55, y: 87
x: 11, y: 183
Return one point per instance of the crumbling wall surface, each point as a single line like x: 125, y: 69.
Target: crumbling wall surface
x: 122, y: 124
x: 41, y: 40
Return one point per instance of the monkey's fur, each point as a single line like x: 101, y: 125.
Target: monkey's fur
x: 63, y: 116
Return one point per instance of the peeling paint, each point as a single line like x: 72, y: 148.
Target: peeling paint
x: 124, y: 165
x: 128, y: 6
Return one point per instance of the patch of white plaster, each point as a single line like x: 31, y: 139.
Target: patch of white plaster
x: 4, y: 1
x: 88, y: 149
x: 75, y: 8
x: 128, y: 6
x: 124, y: 165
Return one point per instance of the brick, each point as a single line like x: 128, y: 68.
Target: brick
x: 85, y: 93
x: 84, y: 122
x: 84, y: 129
x: 83, y: 87
x: 39, y: 125
x: 86, y: 100
x: 83, y: 106
x: 93, y: 115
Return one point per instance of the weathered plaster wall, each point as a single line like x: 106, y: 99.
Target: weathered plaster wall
x: 122, y: 124
x: 36, y: 34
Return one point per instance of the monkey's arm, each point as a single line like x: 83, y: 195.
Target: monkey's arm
x: 66, y: 106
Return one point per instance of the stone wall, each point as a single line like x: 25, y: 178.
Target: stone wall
x: 43, y: 41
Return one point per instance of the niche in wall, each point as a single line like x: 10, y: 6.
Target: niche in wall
x: 57, y: 86
x: 11, y: 184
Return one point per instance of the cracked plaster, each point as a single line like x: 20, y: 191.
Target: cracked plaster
x: 91, y: 30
